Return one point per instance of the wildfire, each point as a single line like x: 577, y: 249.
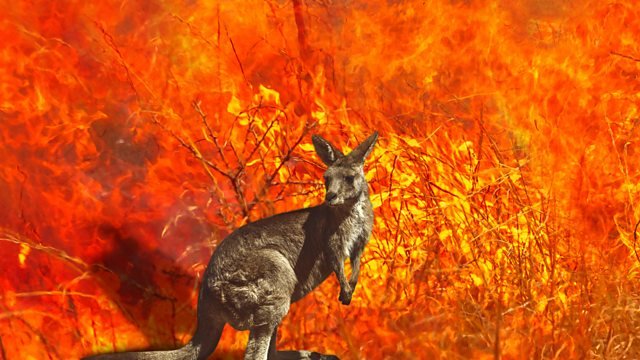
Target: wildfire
x: 134, y: 136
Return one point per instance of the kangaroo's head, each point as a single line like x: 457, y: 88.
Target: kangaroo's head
x: 344, y: 179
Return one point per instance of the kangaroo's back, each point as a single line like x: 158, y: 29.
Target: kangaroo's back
x: 285, y: 233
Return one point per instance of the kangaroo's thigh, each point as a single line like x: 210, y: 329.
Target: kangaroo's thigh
x: 255, y: 291
x: 276, y: 283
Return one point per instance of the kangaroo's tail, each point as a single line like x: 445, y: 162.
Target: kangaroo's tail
x: 202, y: 344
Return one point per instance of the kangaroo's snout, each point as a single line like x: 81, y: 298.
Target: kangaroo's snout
x: 331, y: 196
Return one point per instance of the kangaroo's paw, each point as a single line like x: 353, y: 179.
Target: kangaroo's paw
x: 345, y: 297
x: 303, y: 355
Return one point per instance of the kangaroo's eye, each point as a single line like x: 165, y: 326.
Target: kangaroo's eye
x: 349, y: 179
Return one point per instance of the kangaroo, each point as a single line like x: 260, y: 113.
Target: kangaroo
x: 261, y: 268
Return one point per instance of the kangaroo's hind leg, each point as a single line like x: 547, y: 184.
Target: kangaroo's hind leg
x: 294, y: 354
x: 273, y: 283
x: 273, y: 353
x: 258, y: 346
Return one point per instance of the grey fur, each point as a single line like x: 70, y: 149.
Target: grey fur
x: 261, y: 268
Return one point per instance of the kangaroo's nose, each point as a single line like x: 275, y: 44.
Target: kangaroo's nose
x: 330, y: 196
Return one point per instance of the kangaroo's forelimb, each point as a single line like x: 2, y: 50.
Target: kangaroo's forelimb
x: 355, y: 269
x: 345, y: 288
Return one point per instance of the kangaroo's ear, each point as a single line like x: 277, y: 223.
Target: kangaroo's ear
x: 364, y: 149
x: 327, y: 152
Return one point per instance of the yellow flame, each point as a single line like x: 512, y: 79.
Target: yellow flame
x: 269, y: 95
x: 234, y: 107
x: 22, y: 256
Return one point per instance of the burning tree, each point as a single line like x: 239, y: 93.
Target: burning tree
x: 135, y: 135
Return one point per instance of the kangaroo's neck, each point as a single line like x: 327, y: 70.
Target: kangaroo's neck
x: 359, y: 207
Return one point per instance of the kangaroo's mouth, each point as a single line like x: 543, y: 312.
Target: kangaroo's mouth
x: 334, y: 203
x: 336, y: 200
x: 341, y: 202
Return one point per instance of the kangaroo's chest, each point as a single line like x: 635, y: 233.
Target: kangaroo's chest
x: 353, y: 232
